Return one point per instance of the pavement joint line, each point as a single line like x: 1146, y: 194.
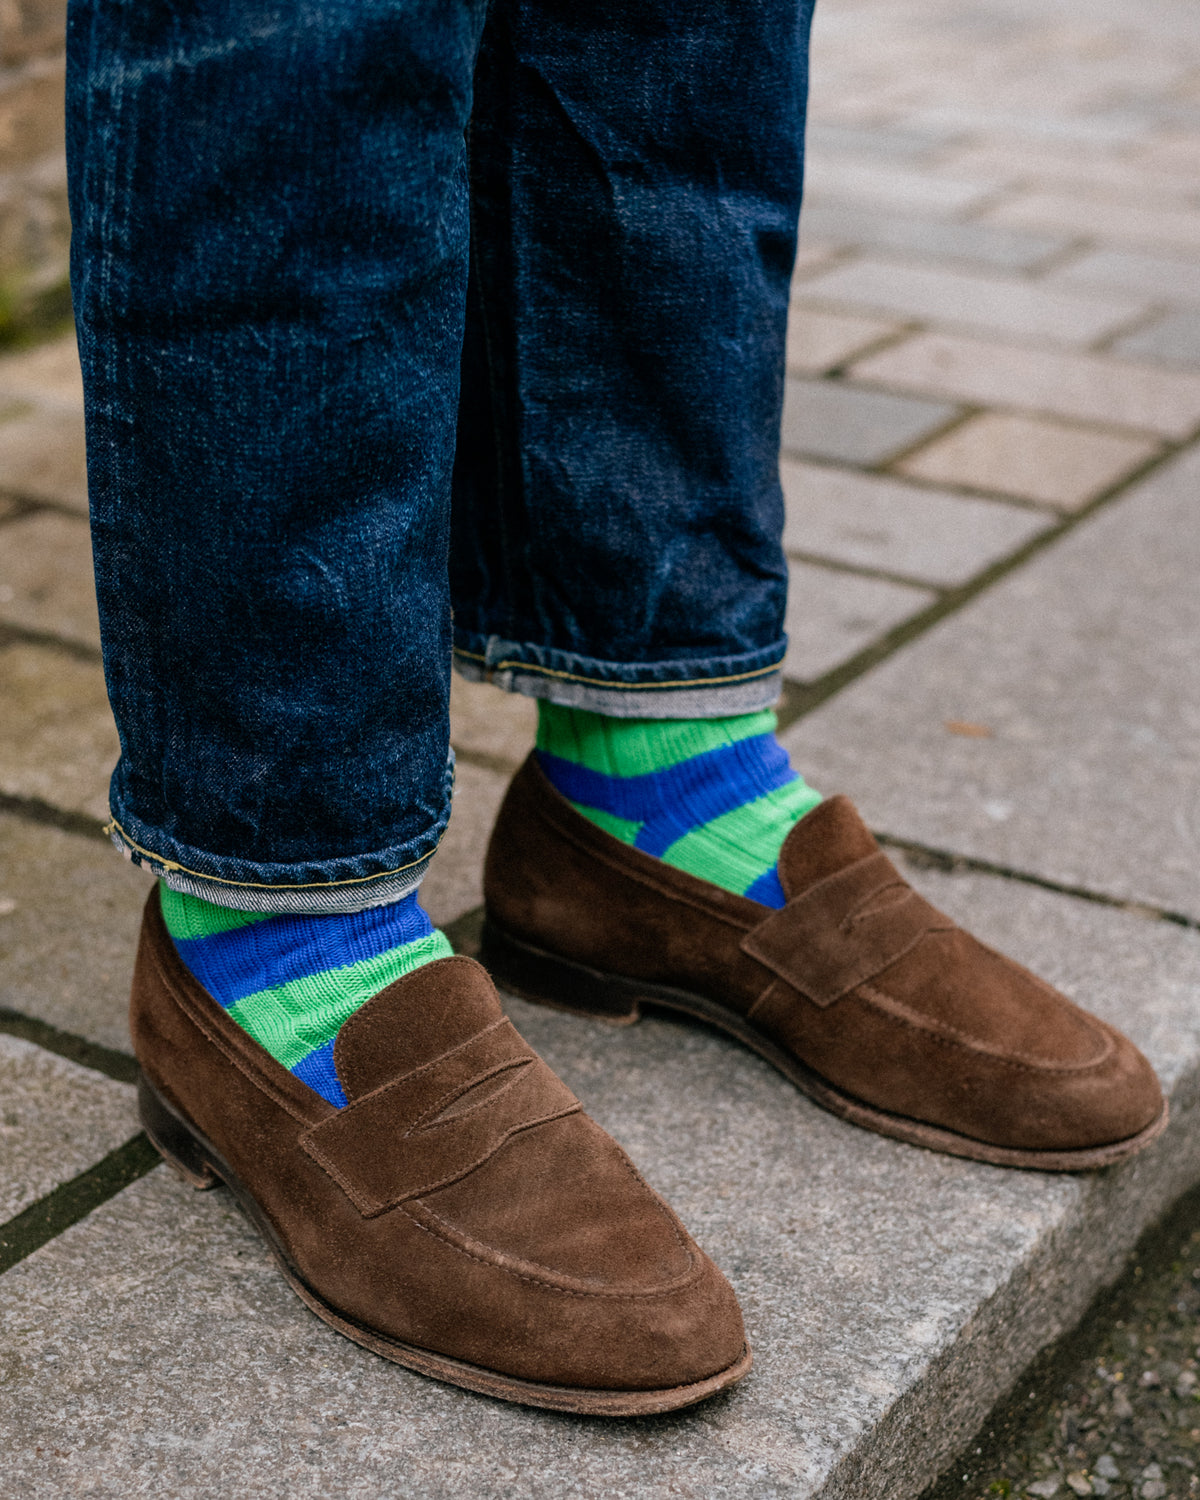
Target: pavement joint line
x: 863, y: 570
x: 842, y: 376
x: 885, y: 341
x: 863, y: 382
x: 120, y: 1066
x: 839, y: 254
x: 961, y: 489
x: 39, y: 502
x: 22, y: 506
x: 22, y: 635
x: 1148, y: 314
x: 799, y: 699
x: 35, y: 810
x: 1151, y: 315
x: 953, y: 863
x: 71, y: 1201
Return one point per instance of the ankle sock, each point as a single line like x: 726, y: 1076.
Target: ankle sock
x: 715, y: 797
x: 292, y: 980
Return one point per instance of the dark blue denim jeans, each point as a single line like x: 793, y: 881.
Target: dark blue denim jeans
x: 386, y: 306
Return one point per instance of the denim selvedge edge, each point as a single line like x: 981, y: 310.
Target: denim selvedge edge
x: 318, y: 887
x: 646, y: 690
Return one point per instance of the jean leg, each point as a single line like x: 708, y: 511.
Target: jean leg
x: 269, y: 269
x: 617, y: 522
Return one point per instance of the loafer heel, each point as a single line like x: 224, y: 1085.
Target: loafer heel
x: 173, y: 1141
x: 546, y: 979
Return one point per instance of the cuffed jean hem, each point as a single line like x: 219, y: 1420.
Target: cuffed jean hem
x: 315, y: 888
x: 698, y: 689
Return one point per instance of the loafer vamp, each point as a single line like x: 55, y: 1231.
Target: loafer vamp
x: 520, y: 1241
x: 897, y: 1051
x: 858, y: 988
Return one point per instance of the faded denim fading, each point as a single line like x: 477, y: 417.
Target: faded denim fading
x: 389, y: 305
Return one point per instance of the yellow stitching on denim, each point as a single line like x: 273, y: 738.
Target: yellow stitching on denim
x: 604, y: 682
x: 255, y: 885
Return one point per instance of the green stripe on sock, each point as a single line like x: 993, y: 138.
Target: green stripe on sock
x: 633, y: 747
x: 193, y: 917
x: 624, y: 829
x: 726, y: 851
x: 291, y: 1019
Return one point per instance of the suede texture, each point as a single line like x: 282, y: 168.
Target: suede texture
x: 462, y: 1202
x: 857, y: 977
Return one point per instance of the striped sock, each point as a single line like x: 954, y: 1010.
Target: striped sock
x: 715, y: 797
x: 291, y: 981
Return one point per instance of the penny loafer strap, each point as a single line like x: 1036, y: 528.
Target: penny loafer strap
x: 844, y: 930
x: 424, y: 1130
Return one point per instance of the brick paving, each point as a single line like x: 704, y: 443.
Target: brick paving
x: 995, y: 334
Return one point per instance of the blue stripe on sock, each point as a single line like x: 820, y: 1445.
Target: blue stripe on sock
x: 232, y: 965
x: 318, y: 1072
x: 673, y: 801
x: 768, y: 889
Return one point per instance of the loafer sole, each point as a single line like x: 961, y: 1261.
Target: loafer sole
x: 197, y: 1161
x: 544, y: 978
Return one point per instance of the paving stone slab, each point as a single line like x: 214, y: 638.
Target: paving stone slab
x: 812, y: 256
x: 58, y: 742
x: 1047, y: 164
x: 1083, y: 665
x: 70, y: 909
x: 886, y: 185
x: 1175, y: 339
x: 930, y: 239
x: 866, y: 521
x: 42, y: 457
x: 1174, y: 230
x: 46, y: 577
x: 829, y: 140
x: 455, y: 880
x: 950, y: 298
x: 1165, y: 278
x: 1081, y: 387
x: 1090, y: 132
x: 486, y: 722
x: 818, y: 340
x: 844, y: 423
x: 833, y: 615
x: 56, y: 1120
x: 47, y: 372
x: 891, y: 1295
x: 1032, y: 458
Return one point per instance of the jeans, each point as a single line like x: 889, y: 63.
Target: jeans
x: 411, y: 328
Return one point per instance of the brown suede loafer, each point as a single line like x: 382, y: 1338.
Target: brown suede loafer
x: 461, y: 1215
x: 864, y: 995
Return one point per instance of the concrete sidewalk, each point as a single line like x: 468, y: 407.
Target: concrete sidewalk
x: 992, y: 464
